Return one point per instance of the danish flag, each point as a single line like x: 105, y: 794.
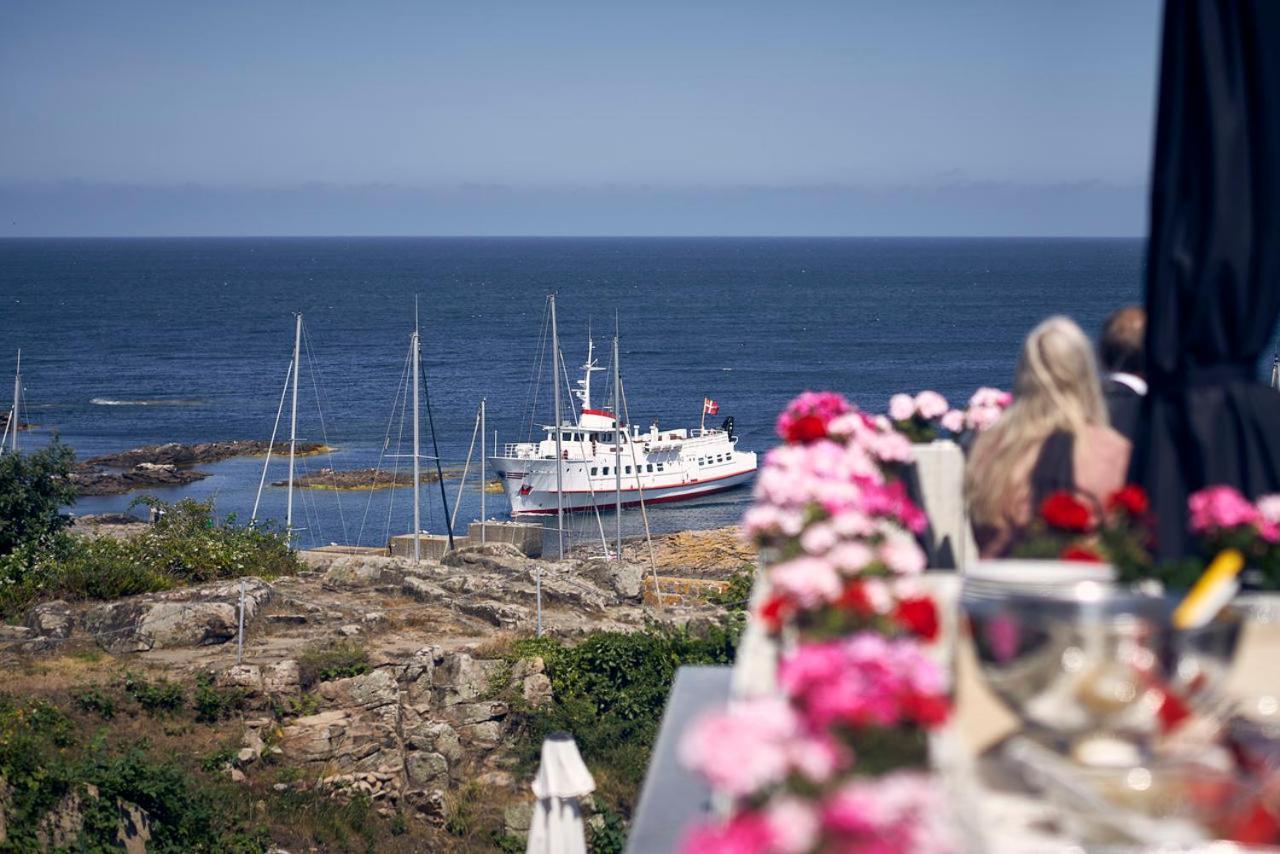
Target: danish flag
x: 709, y: 406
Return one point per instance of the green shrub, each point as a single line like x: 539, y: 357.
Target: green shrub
x: 185, y: 547
x: 33, y: 489
x: 212, y: 703
x: 337, y: 660
x: 97, y: 701
x: 609, y: 692
x: 156, y: 698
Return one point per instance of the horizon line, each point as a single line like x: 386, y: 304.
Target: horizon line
x: 408, y: 236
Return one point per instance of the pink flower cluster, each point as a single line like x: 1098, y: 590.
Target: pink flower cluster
x: 1218, y: 508
x: 835, y: 514
x: 927, y: 405
x: 755, y: 745
x: 985, y: 408
x: 900, y: 813
x: 806, y: 418
x: 865, y: 680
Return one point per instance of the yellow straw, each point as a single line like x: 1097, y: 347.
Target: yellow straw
x: 1222, y: 572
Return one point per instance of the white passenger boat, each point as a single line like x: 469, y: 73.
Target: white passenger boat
x: 597, y: 462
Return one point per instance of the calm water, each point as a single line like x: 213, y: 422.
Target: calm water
x: 129, y: 342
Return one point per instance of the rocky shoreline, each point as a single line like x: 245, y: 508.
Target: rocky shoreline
x: 355, y: 480
x: 168, y: 465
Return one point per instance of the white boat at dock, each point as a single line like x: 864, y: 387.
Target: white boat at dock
x: 597, y: 461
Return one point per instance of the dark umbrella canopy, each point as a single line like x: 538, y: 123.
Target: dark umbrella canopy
x: 1213, y: 260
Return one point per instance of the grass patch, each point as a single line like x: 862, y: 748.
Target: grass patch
x: 336, y: 660
x: 156, y: 698
x: 187, y: 546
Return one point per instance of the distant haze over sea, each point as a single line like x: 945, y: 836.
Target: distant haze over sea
x: 134, y: 341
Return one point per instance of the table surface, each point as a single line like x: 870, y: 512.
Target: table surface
x: 673, y: 797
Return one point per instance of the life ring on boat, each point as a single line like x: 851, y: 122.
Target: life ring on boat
x: 564, y: 455
x: 526, y: 489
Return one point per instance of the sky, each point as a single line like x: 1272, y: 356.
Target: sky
x: 563, y: 118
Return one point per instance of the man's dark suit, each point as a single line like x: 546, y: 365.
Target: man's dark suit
x: 1123, y: 404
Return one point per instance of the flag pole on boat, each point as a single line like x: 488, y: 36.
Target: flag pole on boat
x: 293, y: 427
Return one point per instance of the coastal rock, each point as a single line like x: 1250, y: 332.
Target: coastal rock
x: 92, y: 480
x: 424, y: 768
x: 536, y: 689
x: 466, y: 679
x: 494, y: 613
x: 491, y: 557
x: 246, y: 677
x: 282, y: 679
x: 195, y: 616
x: 176, y: 454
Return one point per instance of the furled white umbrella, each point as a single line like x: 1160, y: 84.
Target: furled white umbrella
x: 562, y: 778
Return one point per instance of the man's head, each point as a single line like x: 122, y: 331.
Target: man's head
x: 1122, y: 349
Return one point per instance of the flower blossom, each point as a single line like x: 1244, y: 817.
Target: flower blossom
x: 900, y: 813
x: 806, y: 418
x: 953, y: 421
x: 1217, y: 507
x: 864, y: 680
x: 931, y: 405
x: 806, y: 581
x: 754, y: 745
x: 901, y: 407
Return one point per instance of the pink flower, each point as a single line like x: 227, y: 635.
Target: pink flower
x: 1269, y: 507
x: 1218, y: 507
x: 745, y: 833
x: 806, y: 418
x: 953, y: 421
x: 991, y: 397
x: 980, y: 418
x: 864, y: 680
x: 900, y: 813
x: 901, y: 407
x: 902, y: 554
x: 851, y: 557
x: 795, y: 824
x: 807, y: 581
x: 743, y: 749
x: 818, y: 539
x: 890, y: 500
x: 931, y: 405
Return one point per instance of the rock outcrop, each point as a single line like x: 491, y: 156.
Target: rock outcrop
x: 194, y: 616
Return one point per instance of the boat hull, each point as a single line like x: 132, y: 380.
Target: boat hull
x: 539, y: 502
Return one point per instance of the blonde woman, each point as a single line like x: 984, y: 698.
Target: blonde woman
x: 1055, y: 436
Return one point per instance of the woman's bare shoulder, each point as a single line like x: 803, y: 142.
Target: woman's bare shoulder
x: 1102, y: 460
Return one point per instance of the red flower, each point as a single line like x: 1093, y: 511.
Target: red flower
x: 1131, y: 498
x: 773, y: 611
x: 805, y: 429
x: 1084, y: 554
x: 854, y: 598
x: 918, y: 616
x: 1064, y: 511
x: 928, y: 710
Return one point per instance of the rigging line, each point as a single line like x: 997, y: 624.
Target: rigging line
x: 644, y: 512
x: 382, y: 453
x: 324, y: 433
x: 404, y: 411
x: 262, y: 482
x: 535, y: 379
x: 309, y: 513
x: 435, y: 449
x: 466, y: 467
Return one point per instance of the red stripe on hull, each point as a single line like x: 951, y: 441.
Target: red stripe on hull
x: 669, y: 499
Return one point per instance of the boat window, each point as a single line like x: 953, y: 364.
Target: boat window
x: 605, y: 469
x: 660, y: 467
x: 650, y: 466
x: 593, y: 471
x: 628, y: 469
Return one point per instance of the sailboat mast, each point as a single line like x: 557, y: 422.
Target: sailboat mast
x: 617, y: 449
x: 484, y: 468
x: 417, y: 460
x: 555, y: 370
x: 17, y: 396
x: 293, y: 427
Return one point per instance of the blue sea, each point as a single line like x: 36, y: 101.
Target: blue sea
x: 137, y: 341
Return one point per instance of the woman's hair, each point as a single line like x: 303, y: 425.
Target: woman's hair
x: 1056, y: 388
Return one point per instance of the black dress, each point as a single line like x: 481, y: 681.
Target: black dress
x: 1054, y: 470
